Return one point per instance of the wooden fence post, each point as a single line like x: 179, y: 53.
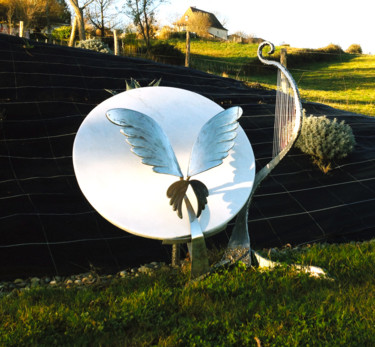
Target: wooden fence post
x: 283, y: 62
x: 21, y: 29
x: 187, y: 55
x: 283, y: 57
x: 115, y: 41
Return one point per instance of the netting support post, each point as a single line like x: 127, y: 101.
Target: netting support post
x: 283, y: 62
x: 187, y: 55
x: 175, y: 254
x: 21, y: 28
x: 115, y: 42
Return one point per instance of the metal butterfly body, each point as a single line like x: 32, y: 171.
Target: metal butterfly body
x: 149, y: 141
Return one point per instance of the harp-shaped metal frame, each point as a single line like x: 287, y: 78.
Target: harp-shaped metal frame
x: 239, y: 243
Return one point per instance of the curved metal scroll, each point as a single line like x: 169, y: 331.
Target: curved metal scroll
x: 239, y: 243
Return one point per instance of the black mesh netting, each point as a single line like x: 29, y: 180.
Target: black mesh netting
x: 47, y: 226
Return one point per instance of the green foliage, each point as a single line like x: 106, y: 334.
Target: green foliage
x: 354, y: 49
x: 230, y: 307
x: 94, y: 45
x: 325, y: 140
x: 178, y: 35
x: 331, y: 48
x: 62, y: 33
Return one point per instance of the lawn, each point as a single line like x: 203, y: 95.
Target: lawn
x: 238, y: 306
x: 346, y: 82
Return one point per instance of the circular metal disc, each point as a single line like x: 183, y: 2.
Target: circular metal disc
x: 133, y: 197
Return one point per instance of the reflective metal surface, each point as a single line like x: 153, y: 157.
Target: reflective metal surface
x: 149, y: 142
x: 214, y: 141
x: 198, y: 250
x: 147, y: 139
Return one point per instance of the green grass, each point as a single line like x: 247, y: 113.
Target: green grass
x: 232, y: 307
x: 344, y: 81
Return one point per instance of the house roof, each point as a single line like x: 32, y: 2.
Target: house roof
x: 212, y: 18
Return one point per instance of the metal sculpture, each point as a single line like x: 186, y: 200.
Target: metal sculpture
x: 179, y: 133
x: 148, y: 141
x: 288, y: 117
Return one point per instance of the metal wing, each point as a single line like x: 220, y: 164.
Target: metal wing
x: 147, y: 139
x: 214, y: 141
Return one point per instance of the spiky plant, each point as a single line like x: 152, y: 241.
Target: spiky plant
x: 133, y: 84
x: 325, y: 140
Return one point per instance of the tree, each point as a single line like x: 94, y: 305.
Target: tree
x: 98, y: 15
x: 78, y: 10
x: 34, y: 13
x: 142, y: 13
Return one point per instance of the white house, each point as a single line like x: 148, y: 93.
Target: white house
x: 214, y: 27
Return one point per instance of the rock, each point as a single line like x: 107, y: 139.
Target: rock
x: 87, y: 280
x: 145, y: 269
x: 19, y: 283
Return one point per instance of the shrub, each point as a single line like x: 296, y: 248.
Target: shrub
x: 94, y: 45
x: 179, y: 35
x: 354, y: 49
x: 167, y: 54
x: 62, y: 33
x: 331, y: 48
x: 325, y: 140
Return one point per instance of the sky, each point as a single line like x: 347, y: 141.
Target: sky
x: 303, y: 24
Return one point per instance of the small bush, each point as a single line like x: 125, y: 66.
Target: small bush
x: 325, y: 140
x: 178, y: 35
x: 94, y: 45
x: 166, y: 54
x: 62, y: 33
x: 354, y: 49
x: 331, y: 48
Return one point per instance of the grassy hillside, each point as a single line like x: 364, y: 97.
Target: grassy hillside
x: 344, y: 81
x: 235, y: 307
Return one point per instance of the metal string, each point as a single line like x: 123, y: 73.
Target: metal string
x: 284, y: 115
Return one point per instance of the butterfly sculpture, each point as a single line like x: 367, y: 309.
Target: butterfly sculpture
x: 149, y: 141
